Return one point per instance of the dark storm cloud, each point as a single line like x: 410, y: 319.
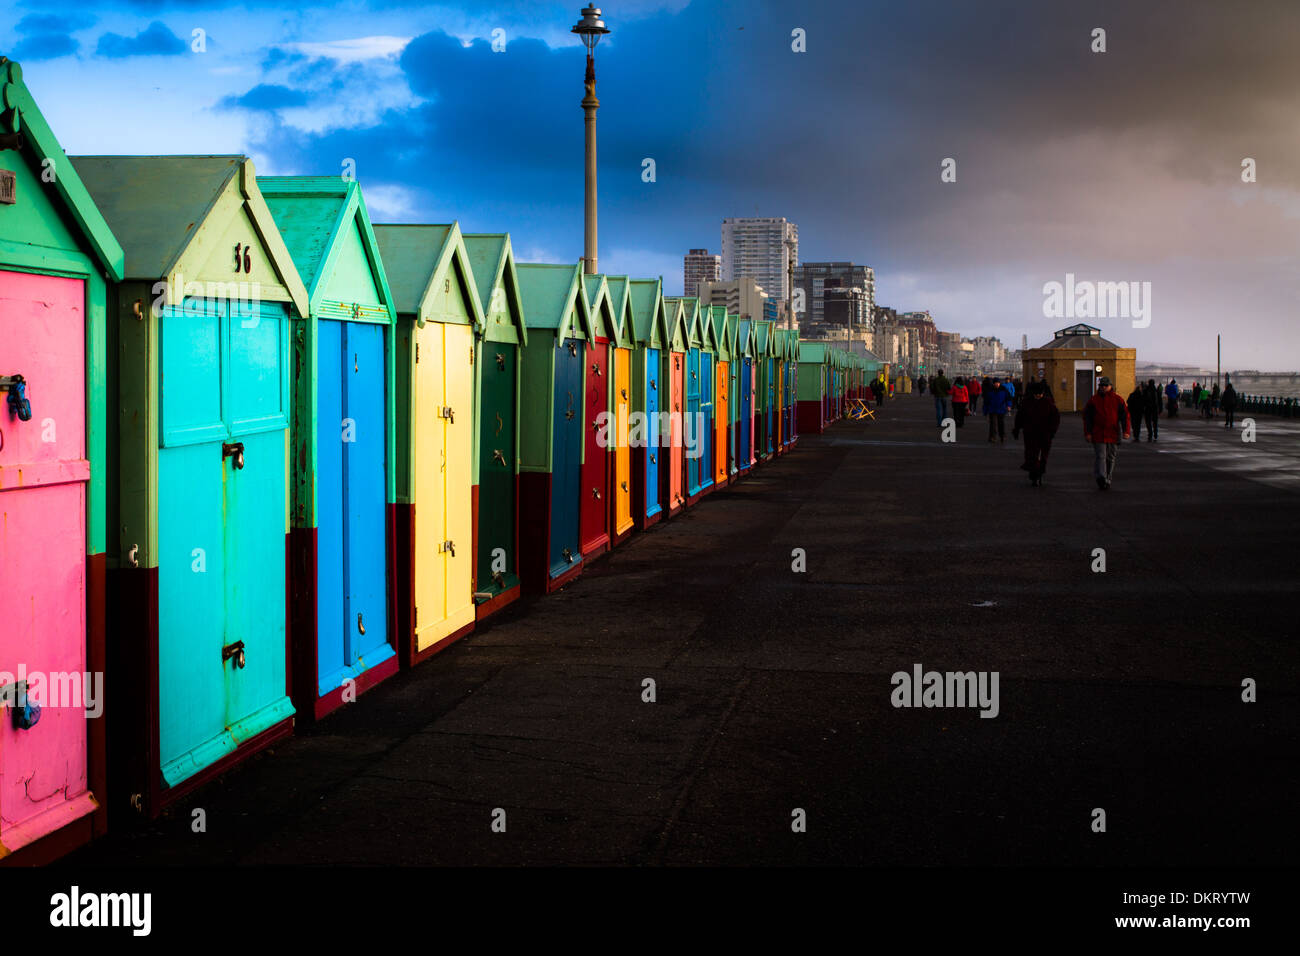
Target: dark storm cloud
x: 1123, y: 165
x: 154, y: 40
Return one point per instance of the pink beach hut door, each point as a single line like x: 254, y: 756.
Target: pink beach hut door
x: 43, y: 475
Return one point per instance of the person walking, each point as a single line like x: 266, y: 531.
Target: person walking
x: 1039, y: 418
x: 973, y: 394
x: 1229, y: 401
x: 1214, y: 401
x: 1196, y: 395
x: 1136, y: 404
x: 939, y: 387
x: 997, y: 401
x: 1151, y: 410
x: 922, y: 382
x: 1171, y: 392
x: 1105, y: 425
x: 1010, y: 386
x: 960, y: 397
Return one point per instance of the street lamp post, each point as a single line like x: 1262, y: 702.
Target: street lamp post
x: 591, y: 28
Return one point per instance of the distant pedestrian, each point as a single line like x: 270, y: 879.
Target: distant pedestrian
x: 1136, y: 404
x: 1105, y: 425
x: 1150, y: 410
x: 1196, y: 395
x: 960, y: 397
x: 1229, y: 401
x: 939, y: 387
x: 921, y: 385
x: 1010, y: 386
x: 997, y: 402
x: 1214, y: 400
x: 1171, y: 393
x: 973, y: 391
x: 1039, y: 419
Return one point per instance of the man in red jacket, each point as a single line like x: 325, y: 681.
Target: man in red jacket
x: 1105, y: 425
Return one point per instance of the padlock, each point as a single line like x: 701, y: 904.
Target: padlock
x: 18, y: 402
x: 26, y: 714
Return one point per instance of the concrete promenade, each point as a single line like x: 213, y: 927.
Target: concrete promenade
x: 1118, y: 690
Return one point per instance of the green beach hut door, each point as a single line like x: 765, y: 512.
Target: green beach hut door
x: 222, y: 509
x: 496, y: 498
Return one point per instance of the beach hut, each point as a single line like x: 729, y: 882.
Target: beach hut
x: 700, y: 381
x: 647, y: 369
x: 439, y: 317
x: 765, y: 390
x: 496, y: 581
x: 812, y: 387
x: 340, y: 487
x: 789, y: 401
x: 57, y: 257
x: 593, y: 514
x: 551, y: 416
x: 676, y: 347
x: 621, y: 476
x: 746, y: 383
x: 723, y: 334
x: 201, y: 359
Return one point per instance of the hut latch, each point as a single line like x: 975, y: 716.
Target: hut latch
x: 236, y: 651
x: 233, y: 450
x: 19, y: 404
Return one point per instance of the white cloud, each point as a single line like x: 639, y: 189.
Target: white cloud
x: 354, y: 50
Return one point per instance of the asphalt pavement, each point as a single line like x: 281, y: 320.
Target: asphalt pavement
x: 1119, y: 690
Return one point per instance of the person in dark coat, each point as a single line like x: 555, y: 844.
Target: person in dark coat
x: 1039, y: 419
x: 1136, y: 404
x: 1229, y: 403
x: 1150, y: 410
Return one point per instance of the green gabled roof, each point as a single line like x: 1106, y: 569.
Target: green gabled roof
x: 675, y: 321
x: 158, y: 205
x: 812, y: 353
x: 624, y: 320
x: 745, y: 337
x: 647, y: 301
x: 314, y: 214
x: 416, y: 257
x: 762, y: 338
x: 20, y: 114
x: 549, y: 292
x: 492, y: 258
x: 600, y: 304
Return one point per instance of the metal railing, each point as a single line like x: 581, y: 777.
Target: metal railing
x: 1252, y: 404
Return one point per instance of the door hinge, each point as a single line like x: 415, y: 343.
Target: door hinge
x: 471, y: 355
x: 415, y: 618
x: 417, y: 351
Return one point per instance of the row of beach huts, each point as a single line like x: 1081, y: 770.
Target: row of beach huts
x: 257, y: 454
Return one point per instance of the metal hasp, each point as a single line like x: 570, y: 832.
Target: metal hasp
x: 235, y: 650
x: 590, y: 28
x: 233, y: 450
x: 18, y: 402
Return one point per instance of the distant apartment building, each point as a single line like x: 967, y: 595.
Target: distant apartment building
x: 742, y: 297
x: 814, y: 278
x: 762, y: 250
x: 926, y: 332
x: 843, y: 308
x: 988, y: 351
x: 699, y: 266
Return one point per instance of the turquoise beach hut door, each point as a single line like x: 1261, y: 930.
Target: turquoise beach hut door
x: 221, y: 502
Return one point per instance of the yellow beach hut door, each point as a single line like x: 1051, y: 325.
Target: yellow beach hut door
x: 444, y: 601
